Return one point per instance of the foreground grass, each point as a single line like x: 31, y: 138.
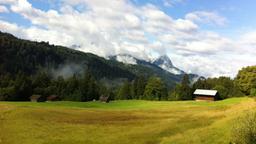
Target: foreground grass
x: 124, y: 122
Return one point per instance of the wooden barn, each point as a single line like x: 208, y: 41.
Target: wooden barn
x: 37, y: 98
x: 53, y: 98
x: 105, y: 99
x: 205, y: 95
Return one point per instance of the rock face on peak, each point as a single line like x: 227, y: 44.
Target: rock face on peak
x: 161, y: 66
x: 164, y: 59
x: 165, y: 63
x: 162, y: 62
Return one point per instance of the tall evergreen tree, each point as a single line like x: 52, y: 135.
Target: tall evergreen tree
x: 182, y: 91
x: 155, y: 89
x: 23, y: 88
x: 71, y: 90
x: 141, y: 86
x: 186, y: 92
x: 125, y: 91
x: 134, y: 89
x: 60, y: 86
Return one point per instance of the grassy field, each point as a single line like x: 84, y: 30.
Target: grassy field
x: 120, y: 122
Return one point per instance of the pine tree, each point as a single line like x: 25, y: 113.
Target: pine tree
x: 186, y: 92
x: 182, y: 91
x: 71, y: 88
x: 141, y: 87
x: 134, y: 89
x: 155, y: 89
x: 23, y: 88
x: 60, y: 86
x: 125, y: 91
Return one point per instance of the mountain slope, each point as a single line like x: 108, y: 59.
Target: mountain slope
x: 29, y: 57
x: 161, y: 66
x: 17, y: 55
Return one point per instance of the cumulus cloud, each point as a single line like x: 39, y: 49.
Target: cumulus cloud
x: 119, y: 26
x: 3, y: 9
x: 207, y: 17
x: 7, y: 1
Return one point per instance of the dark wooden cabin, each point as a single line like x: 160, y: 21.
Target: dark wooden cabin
x: 53, y: 98
x: 105, y: 99
x: 205, y: 95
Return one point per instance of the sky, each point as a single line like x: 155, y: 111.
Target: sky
x: 207, y: 37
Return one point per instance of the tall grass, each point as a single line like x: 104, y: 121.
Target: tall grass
x: 120, y: 122
x: 244, y: 130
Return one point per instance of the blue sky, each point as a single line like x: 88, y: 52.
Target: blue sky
x: 207, y: 37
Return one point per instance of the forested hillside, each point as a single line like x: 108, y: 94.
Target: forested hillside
x: 29, y: 57
x: 28, y: 67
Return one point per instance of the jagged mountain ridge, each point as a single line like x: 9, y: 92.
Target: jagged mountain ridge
x: 161, y: 65
x: 165, y: 63
x: 162, y: 62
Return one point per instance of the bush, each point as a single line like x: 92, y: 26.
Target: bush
x: 244, y: 131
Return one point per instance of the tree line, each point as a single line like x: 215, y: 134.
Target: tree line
x: 77, y: 88
x: 84, y: 87
x: 244, y: 84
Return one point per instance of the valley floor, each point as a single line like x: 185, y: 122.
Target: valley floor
x: 120, y: 122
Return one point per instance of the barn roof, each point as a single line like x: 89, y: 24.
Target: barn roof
x: 205, y: 92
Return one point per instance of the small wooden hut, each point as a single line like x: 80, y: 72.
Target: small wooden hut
x: 105, y: 99
x: 205, y: 95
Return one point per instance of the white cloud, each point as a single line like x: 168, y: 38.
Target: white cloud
x: 7, y: 1
x: 119, y: 26
x: 170, y: 3
x: 126, y: 59
x: 3, y: 9
x: 249, y: 38
x: 207, y: 17
x: 185, y: 25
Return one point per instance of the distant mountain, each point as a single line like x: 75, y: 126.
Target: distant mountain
x: 162, y: 62
x: 165, y: 63
x: 162, y: 66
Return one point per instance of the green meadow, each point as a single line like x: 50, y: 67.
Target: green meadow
x: 120, y: 122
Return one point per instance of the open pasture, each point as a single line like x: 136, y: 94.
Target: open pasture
x: 120, y: 122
